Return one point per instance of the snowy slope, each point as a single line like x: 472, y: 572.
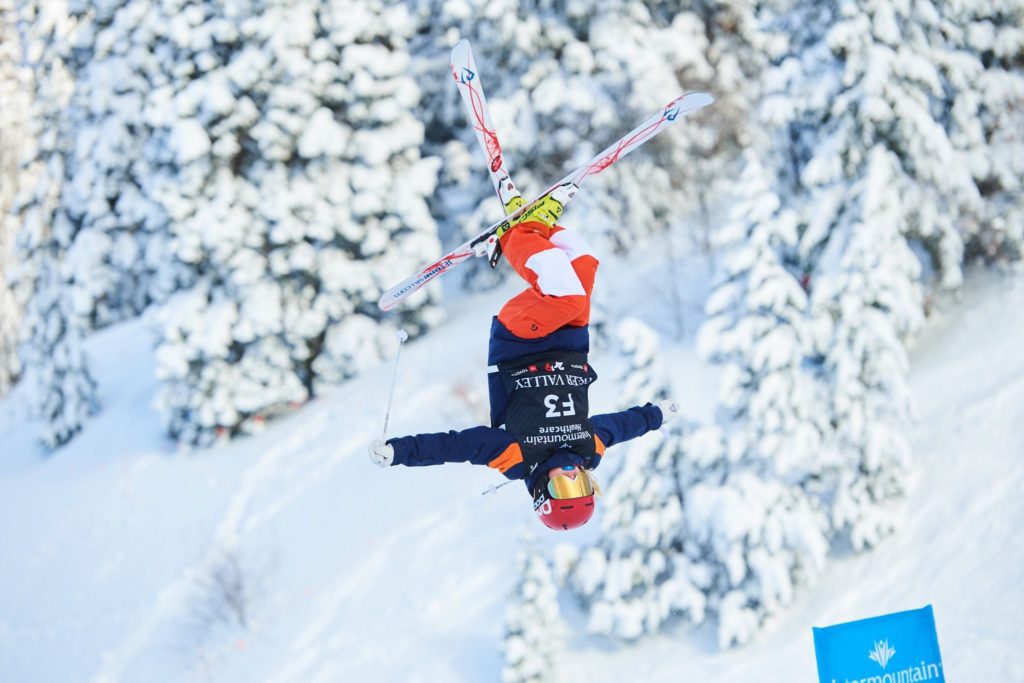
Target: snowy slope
x: 357, y: 574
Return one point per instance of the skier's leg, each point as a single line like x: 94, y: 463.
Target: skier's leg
x: 556, y: 295
x: 584, y: 264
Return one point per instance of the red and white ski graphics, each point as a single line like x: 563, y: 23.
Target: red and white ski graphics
x: 669, y: 114
x: 467, y: 80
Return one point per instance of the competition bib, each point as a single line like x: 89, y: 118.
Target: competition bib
x: 548, y: 407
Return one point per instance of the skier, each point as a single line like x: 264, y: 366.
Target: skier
x: 538, y: 382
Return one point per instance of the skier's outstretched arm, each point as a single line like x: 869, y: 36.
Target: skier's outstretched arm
x: 613, y: 428
x: 477, y: 445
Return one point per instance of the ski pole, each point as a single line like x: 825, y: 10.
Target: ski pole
x: 494, y: 487
x: 401, y: 336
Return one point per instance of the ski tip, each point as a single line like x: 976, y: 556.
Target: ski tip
x: 461, y: 46
x: 685, y: 104
x: 699, y: 99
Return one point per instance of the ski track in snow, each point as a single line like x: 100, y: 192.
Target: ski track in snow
x: 308, y: 649
x: 227, y: 537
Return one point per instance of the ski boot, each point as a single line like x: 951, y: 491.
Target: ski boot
x: 491, y: 247
x: 546, y: 210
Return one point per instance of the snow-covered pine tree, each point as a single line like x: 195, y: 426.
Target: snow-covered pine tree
x: 289, y: 166
x: 752, y: 539
x: 66, y: 393
x: 15, y: 93
x: 746, y: 515
x: 646, y: 378
x: 117, y: 262
x: 984, y: 85
x: 534, y: 631
x: 861, y: 99
x: 635, y: 577
x: 868, y: 75
x: 757, y: 329
x: 870, y: 296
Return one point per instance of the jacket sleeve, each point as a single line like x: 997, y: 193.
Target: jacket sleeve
x: 477, y: 445
x: 613, y: 428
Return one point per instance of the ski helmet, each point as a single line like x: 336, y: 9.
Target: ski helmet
x: 562, y: 503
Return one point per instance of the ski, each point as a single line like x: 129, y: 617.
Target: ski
x: 467, y: 80
x: 565, y: 190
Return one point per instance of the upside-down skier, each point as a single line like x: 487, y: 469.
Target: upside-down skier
x: 541, y: 428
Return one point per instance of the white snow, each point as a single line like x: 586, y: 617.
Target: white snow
x: 356, y: 573
x: 189, y: 140
x: 323, y: 136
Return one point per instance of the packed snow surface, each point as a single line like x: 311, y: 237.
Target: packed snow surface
x: 122, y: 555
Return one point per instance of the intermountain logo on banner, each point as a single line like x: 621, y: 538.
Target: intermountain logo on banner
x: 895, y: 648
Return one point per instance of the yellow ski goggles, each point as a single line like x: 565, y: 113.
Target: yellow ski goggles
x: 562, y: 488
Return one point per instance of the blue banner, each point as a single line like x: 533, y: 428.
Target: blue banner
x: 896, y: 648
